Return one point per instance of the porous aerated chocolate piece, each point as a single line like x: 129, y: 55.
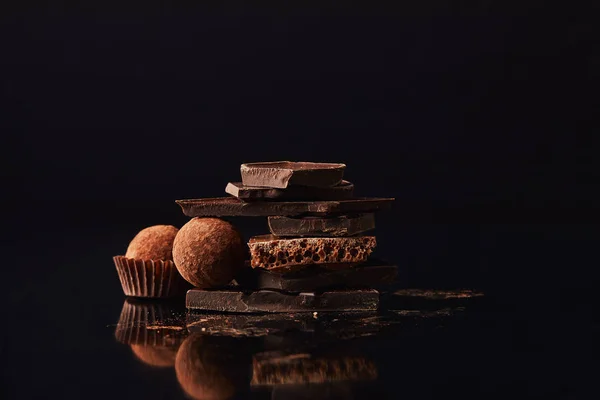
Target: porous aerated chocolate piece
x: 344, y: 190
x: 281, y: 174
x: 233, y: 207
x: 272, y: 253
x: 153, y: 243
x: 278, y: 302
x: 343, y: 225
x: 208, y: 252
x: 367, y: 275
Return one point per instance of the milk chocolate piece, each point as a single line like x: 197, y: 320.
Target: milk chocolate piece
x: 232, y: 207
x: 343, y: 225
x: 281, y: 174
x: 366, y: 275
x: 344, y: 190
x: 288, y: 254
x: 276, y: 302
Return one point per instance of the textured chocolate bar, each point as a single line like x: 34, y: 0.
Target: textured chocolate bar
x: 281, y: 174
x: 232, y: 207
x: 369, y: 275
x: 343, y: 225
x: 276, y: 302
x: 343, y: 191
x: 289, y: 254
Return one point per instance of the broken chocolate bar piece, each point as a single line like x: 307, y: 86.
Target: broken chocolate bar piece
x: 343, y: 191
x: 343, y: 225
x: 281, y: 174
x: 288, y: 254
x: 367, y: 275
x: 232, y: 207
x: 268, y: 301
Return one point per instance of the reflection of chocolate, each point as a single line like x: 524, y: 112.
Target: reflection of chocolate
x: 149, y: 324
x: 277, y: 368
x: 337, y: 391
x: 209, y: 369
x: 154, y: 355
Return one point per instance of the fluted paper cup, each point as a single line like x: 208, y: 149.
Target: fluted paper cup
x: 150, y: 278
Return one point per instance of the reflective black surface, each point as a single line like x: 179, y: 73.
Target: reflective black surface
x: 66, y: 338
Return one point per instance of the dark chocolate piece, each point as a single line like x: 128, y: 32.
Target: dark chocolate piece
x: 343, y: 191
x: 276, y: 302
x: 315, y: 279
x: 289, y: 254
x: 250, y: 325
x: 343, y: 225
x: 281, y: 174
x: 232, y: 207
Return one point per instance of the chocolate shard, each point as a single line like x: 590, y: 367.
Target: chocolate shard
x: 267, y: 301
x: 367, y: 275
x: 281, y: 174
x: 232, y: 207
x: 343, y: 225
x: 289, y: 254
x: 343, y: 191
x: 432, y: 299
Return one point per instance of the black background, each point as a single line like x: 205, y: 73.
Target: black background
x: 471, y: 114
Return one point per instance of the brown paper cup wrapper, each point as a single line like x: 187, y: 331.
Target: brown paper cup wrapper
x: 148, y: 324
x: 150, y: 278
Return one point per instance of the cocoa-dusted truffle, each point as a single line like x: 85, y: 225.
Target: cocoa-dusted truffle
x: 208, y: 252
x: 153, y: 243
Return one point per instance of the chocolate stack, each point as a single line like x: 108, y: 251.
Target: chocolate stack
x: 317, y: 255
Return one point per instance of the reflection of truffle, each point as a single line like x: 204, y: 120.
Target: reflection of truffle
x: 208, y: 252
x: 207, y: 371
x: 155, y: 356
x: 153, y: 243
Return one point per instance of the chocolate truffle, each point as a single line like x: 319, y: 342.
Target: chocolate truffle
x: 153, y: 243
x: 208, y: 252
x: 156, y: 356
